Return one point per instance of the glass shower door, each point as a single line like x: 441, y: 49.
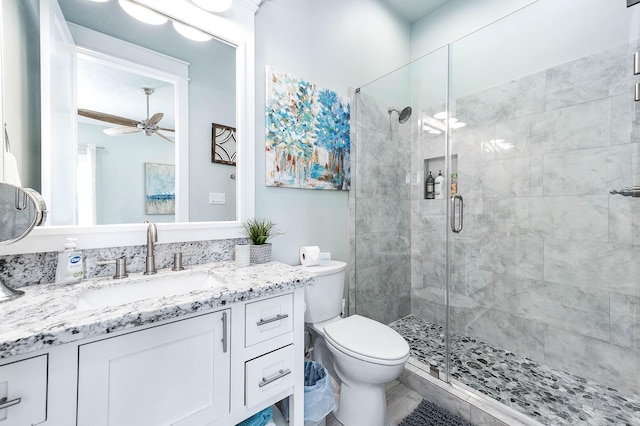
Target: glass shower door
x: 544, y: 279
x: 399, y: 237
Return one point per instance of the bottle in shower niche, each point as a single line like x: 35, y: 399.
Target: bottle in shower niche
x: 429, y: 184
x: 438, y: 187
x: 454, y: 183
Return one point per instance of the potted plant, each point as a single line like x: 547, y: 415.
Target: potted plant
x: 260, y: 231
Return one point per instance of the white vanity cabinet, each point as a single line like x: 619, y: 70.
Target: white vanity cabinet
x: 174, y: 374
x: 23, y: 392
x: 216, y: 367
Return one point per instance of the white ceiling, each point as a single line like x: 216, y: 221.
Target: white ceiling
x: 414, y: 10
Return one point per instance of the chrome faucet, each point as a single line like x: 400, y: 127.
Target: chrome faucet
x: 152, y: 237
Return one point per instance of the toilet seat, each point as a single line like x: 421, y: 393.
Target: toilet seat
x: 368, y: 340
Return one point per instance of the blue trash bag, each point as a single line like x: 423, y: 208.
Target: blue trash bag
x: 318, y: 394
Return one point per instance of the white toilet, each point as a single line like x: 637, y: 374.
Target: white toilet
x: 360, y: 354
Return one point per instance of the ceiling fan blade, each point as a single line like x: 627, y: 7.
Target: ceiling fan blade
x: 155, y: 118
x: 165, y: 129
x: 163, y: 136
x: 117, y: 131
x: 113, y: 119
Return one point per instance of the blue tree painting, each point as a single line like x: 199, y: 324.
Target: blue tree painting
x: 307, y: 143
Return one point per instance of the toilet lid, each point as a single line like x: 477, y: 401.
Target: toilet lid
x: 367, y: 339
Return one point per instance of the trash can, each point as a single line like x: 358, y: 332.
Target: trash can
x: 318, y: 395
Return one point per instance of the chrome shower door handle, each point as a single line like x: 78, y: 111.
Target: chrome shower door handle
x: 460, y: 202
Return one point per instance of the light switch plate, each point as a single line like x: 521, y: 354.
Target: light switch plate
x: 217, y: 198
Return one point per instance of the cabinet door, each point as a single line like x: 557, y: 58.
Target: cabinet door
x: 175, y: 374
x: 24, y: 385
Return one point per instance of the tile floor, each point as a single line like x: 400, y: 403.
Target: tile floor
x: 545, y: 394
x: 401, y: 401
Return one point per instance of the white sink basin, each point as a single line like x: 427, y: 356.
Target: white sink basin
x: 149, y: 287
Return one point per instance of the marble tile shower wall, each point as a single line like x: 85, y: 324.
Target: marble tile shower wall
x: 380, y: 205
x: 22, y: 270
x: 548, y: 263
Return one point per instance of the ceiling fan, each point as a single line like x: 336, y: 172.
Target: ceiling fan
x: 126, y: 126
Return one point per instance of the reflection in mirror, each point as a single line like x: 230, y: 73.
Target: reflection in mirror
x: 126, y: 122
x: 21, y: 209
x: 106, y: 156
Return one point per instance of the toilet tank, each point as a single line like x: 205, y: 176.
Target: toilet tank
x: 324, y: 298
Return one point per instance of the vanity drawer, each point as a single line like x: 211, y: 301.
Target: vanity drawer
x: 268, y: 318
x: 24, y: 385
x: 269, y: 375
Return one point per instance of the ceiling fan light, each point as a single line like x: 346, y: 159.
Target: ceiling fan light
x: 190, y: 32
x: 213, y: 5
x: 142, y: 14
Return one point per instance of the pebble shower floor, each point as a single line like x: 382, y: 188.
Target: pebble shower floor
x: 550, y: 396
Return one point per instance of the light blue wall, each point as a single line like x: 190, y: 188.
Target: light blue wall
x: 337, y: 45
x: 457, y: 19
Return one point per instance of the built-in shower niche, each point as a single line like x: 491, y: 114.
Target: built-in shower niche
x: 435, y: 165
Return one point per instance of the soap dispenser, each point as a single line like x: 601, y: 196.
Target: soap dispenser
x: 70, y: 263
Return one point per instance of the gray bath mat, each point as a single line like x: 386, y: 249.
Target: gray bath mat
x: 427, y: 414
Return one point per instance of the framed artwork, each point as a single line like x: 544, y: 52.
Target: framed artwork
x: 160, y: 188
x: 223, y: 144
x: 308, y: 135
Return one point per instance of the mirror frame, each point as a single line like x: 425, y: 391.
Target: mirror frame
x: 235, y: 27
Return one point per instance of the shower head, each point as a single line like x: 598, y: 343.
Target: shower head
x: 403, y: 115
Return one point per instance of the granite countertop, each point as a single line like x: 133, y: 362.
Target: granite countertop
x: 49, y: 315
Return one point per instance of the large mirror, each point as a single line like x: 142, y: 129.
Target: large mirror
x: 140, y: 148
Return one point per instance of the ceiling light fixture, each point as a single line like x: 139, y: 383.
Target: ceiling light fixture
x: 216, y: 6
x: 190, y: 32
x: 142, y: 13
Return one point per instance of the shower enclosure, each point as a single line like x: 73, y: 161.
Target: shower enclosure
x: 522, y: 283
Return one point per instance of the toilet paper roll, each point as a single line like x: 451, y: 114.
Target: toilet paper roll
x: 309, y: 255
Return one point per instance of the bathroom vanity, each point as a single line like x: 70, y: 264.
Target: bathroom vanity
x: 224, y: 346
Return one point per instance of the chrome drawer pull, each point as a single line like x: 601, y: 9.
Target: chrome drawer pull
x: 6, y: 404
x: 224, y: 333
x: 276, y: 318
x: 280, y: 375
